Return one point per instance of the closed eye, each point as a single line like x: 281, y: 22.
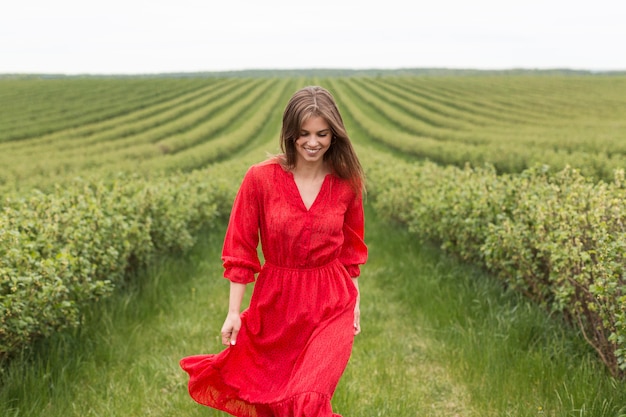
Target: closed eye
x: 321, y: 133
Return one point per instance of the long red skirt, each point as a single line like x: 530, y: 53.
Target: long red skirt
x: 293, y: 346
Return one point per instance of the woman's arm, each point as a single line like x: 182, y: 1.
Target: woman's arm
x: 357, y: 309
x: 232, y: 324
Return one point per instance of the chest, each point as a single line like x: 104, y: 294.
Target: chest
x: 309, y: 190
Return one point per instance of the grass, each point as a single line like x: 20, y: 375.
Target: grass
x: 510, y: 356
x: 439, y: 339
x: 125, y: 361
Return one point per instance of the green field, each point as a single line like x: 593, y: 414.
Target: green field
x: 496, y: 284
x: 51, y: 130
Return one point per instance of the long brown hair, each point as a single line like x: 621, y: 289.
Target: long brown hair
x: 317, y: 101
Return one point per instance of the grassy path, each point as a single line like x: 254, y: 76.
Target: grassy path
x: 435, y: 342
x: 126, y: 363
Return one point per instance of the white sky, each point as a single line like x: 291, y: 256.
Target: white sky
x: 143, y: 36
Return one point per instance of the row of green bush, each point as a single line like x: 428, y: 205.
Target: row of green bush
x: 61, y: 251
x: 555, y: 236
x: 594, y: 145
x: 35, y: 107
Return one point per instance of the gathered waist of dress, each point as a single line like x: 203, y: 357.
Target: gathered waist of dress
x: 335, y: 262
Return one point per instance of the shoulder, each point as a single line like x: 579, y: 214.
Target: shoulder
x: 265, y: 170
x: 344, y: 187
x: 270, y: 165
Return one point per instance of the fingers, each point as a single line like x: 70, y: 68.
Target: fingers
x: 230, y: 330
x: 229, y: 338
x: 357, y: 320
x: 233, y: 337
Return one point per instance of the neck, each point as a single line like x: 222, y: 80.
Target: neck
x: 312, y: 171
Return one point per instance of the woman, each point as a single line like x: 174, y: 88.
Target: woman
x: 287, y: 351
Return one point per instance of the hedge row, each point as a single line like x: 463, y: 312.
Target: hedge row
x: 61, y: 251
x: 557, y: 237
x: 594, y: 146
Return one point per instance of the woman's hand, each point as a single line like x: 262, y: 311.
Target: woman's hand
x: 230, y: 329
x: 357, y: 309
x: 232, y: 324
x: 357, y: 319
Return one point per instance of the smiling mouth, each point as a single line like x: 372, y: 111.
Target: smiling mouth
x: 312, y: 151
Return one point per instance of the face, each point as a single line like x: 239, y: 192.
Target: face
x: 314, y: 141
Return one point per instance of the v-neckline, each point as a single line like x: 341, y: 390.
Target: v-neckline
x: 299, y: 194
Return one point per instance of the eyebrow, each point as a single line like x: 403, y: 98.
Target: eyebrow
x: 319, y: 131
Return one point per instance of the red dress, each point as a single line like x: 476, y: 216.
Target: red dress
x: 297, y: 334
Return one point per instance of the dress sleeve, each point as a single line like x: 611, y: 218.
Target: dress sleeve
x: 354, y: 250
x: 239, y: 253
